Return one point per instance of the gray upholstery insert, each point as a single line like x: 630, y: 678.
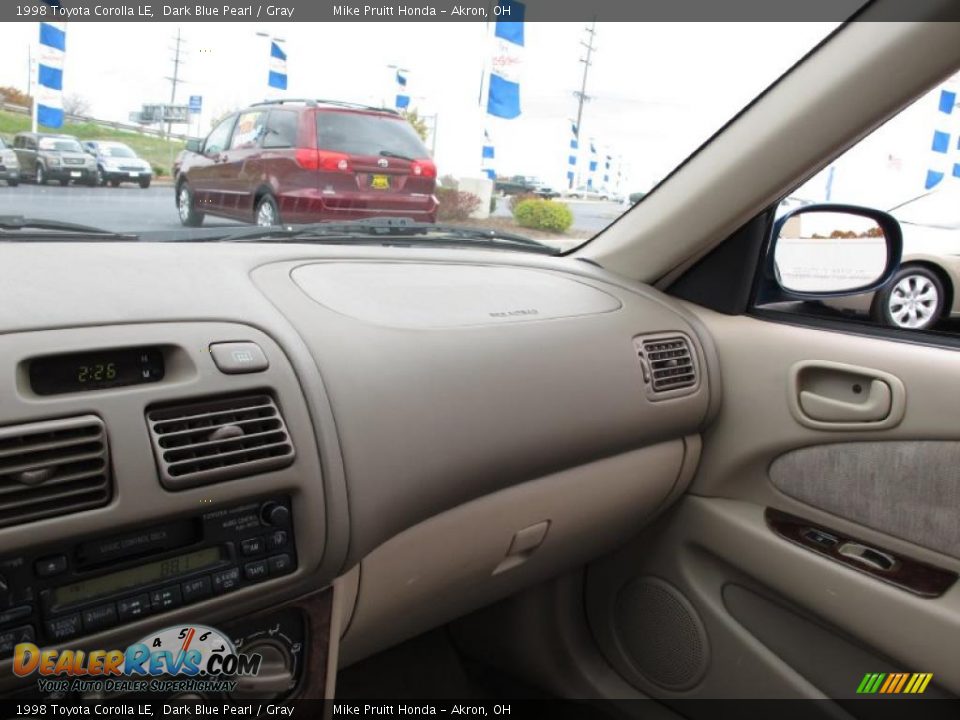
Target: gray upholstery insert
x: 908, y: 489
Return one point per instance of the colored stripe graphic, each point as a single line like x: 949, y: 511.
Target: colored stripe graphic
x: 894, y: 683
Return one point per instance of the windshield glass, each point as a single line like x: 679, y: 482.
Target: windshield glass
x: 60, y: 145
x: 118, y: 151
x: 940, y: 208
x: 550, y: 130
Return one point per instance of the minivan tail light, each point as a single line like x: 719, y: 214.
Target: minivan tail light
x: 307, y: 159
x: 423, y: 168
x: 336, y: 161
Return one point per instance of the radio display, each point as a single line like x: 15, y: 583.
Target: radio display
x: 95, y: 370
x: 135, y: 577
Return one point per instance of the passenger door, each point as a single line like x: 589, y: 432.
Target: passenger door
x: 26, y: 149
x: 241, y: 170
x: 817, y: 548
x: 205, y: 171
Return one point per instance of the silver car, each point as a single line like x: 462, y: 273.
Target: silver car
x: 9, y: 165
x: 923, y: 291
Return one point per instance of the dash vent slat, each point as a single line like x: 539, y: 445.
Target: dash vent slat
x: 668, y: 364
x: 52, y: 468
x: 208, y: 441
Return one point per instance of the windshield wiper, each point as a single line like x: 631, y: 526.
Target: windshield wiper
x: 398, y: 156
x: 69, y: 230
x: 390, y: 230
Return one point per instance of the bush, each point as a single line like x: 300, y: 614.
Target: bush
x: 517, y: 199
x: 449, y: 182
x: 493, y: 204
x: 541, y: 214
x: 455, y: 205
x: 159, y: 171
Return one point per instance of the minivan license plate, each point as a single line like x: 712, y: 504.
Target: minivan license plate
x: 380, y: 182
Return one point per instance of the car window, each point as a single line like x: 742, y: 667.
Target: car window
x: 249, y: 129
x: 217, y: 139
x: 364, y: 134
x: 910, y: 168
x: 281, y: 129
x: 120, y: 151
x: 60, y: 145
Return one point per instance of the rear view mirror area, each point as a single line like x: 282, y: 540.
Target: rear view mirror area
x: 821, y: 251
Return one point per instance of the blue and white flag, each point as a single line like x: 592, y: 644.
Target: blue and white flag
x: 503, y: 94
x: 488, y: 156
x: 572, y: 157
x: 49, y: 100
x: 403, y: 97
x: 278, y: 67
x: 944, y: 157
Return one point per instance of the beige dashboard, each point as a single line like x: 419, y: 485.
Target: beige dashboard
x: 462, y: 423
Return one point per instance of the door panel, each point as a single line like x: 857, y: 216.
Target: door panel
x: 782, y: 619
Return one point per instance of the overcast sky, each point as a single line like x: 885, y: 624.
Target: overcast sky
x: 659, y: 90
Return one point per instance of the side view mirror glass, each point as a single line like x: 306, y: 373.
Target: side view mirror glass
x: 821, y: 251
x: 195, y: 145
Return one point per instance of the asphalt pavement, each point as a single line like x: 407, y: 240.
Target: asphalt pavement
x: 129, y: 208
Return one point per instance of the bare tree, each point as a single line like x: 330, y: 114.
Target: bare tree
x: 74, y: 104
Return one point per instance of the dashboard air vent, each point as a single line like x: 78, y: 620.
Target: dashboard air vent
x: 668, y: 364
x: 218, y: 439
x: 53, y: 468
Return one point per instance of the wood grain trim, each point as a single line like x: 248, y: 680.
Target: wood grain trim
x: 907, y: 574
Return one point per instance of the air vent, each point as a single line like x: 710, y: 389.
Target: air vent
x: 208, y: 441
x: 53, y: 468
x: 669, y: 368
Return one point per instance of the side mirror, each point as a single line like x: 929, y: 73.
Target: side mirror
x: 195, y: 145
x: 826, y: 251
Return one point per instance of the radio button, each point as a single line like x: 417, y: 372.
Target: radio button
x: 198, y: 589
x: 100, y: 617
x: 255, y: 571
x: 133, y: 607
x: 280, y: 564
x: 276, y: 540
x: 53, y: 565
x: 226, y: 580
x: 166, y: 598
x: 14, y: 614
x: 9, y: 639
x: 251, y: 546
x: 64, y: 627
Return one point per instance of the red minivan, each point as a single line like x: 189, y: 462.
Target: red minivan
x: 300, y: 161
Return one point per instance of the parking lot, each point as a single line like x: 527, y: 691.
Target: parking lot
x: 130, y: 208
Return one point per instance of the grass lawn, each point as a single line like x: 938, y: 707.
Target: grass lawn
x: 155, y: 150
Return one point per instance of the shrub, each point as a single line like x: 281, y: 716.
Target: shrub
x: 517, y: 199
x: 449, y: 182
x: 159, y: 171
x: 455, y: 205
x: 541, y: 214
x: 493, y: 204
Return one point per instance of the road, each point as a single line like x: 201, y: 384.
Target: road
x: 130, y: 208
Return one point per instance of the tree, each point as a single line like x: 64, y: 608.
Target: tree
x: 15, y: 97
x: 419, y: 124
x: 74, y: 104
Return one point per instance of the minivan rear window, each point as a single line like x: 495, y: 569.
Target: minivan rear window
x: 361, y: 134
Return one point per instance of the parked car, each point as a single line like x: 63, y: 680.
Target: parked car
x: 295, y: 161
x: 923, y: 291
x: 524, y: 185
x: 636, y: 197
x: 586, y: 193
x: 117, y: 163
x: 9, y: 165
x: 44, y: 157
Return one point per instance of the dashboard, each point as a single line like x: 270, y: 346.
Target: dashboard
x: 353, y: 444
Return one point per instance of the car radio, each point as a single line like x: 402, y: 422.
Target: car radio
x: 59, y: 593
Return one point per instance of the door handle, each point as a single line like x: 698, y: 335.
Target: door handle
x: 876, y: 406
x: 828, y: 395
x: 868, y: 556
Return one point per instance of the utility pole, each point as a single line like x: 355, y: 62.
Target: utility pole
x: 581, y: 94
x: 175, y: 80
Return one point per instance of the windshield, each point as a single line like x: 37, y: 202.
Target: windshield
x: 60, y: 145
x: 118, y: 151
x: 940, y: 208
x: 550, y: 130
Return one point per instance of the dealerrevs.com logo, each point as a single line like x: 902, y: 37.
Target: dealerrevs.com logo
x: 178, y: 658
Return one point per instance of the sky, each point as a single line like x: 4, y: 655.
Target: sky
x: 658, y: 90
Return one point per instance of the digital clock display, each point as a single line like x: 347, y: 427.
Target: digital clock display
x: 95, y: 370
